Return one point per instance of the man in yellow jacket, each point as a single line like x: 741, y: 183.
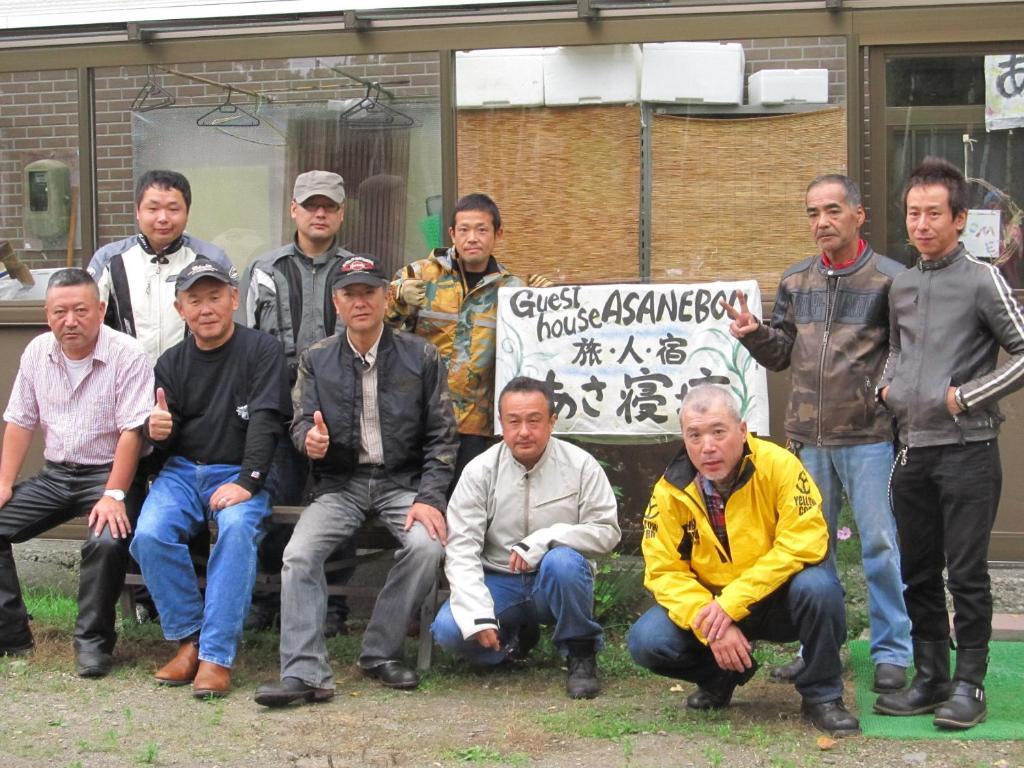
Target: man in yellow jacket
x: 734, y: 545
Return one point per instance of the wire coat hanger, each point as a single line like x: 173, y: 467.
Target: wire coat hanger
x: 371, y: 113
x: 228, y: 115
x: 151, y: 90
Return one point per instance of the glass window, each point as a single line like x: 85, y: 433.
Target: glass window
x: 935, y: 81
x: 242, y: 131
x: 39, y: 173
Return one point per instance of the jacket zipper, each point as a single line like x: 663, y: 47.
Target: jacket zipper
x: 923, y: 297
x: 830, y: 307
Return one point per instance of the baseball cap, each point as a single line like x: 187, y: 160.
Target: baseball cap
x: 325, y: 183
x: 196, y: 271
x: 362, y: 268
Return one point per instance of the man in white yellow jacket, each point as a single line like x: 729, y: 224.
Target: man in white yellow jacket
x: 734, y: 539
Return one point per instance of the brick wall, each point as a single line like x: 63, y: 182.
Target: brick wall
x: 38, y: 119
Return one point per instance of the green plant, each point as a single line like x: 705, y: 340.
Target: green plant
x: 713, y: 755
x: 148, y: 754
x: 478, y: 754
x: 618, y: 588
x: 50, y: 607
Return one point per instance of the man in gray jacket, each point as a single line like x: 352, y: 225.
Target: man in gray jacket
x: 524, y: 518
x: 949, y: 317
x: 287, y: 293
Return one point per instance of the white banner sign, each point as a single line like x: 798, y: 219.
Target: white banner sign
x: 621, y: 357
x: 1004, y: 91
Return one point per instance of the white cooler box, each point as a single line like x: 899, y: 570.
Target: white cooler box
x: 502, y: 77
x: 785, y: 86
x: 697, y: 73
x: 591, y: 74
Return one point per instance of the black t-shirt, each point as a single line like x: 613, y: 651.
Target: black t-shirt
x: 227, y: 403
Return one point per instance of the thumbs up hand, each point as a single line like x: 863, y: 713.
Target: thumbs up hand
x: 317, y: 439
x: 160, y: 421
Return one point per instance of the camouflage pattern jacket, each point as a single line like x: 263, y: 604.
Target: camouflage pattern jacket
x: 830, y: 327
x: 416, y: 424
x: 463, y: 325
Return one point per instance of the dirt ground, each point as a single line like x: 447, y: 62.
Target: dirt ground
x: 516, y: 717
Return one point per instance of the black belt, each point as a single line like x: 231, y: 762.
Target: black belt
x: 75, y: 468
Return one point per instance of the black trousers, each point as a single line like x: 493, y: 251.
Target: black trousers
x: 945, y: 500
x: 54, y: 496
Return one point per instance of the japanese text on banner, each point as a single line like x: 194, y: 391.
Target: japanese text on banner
x: 620, y: 358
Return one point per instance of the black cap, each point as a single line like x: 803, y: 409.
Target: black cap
x: 361, y: 268
x: 199, y: 269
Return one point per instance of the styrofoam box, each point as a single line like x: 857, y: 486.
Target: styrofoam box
x: 708, y: 73
x: 781, y: 86
x: 499, y: 78
x: 591, y: 74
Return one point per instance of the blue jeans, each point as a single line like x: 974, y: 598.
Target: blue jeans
x: 178, y: 505
x: 808, y: 607
x: 863, y: 471
x: 559, y: 592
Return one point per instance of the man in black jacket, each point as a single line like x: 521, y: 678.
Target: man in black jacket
x: 372, y: 412
x: 949, y: 315
x: 220, y: 398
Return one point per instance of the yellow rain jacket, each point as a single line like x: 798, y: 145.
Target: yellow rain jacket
x: 775, y: 527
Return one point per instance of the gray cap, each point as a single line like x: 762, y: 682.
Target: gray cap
x: 312, y: 183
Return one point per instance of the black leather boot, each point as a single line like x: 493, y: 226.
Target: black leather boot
x: 716, y: 691
x: 15, y: 636
x: 582, y: 682
x: 930, y: 686
x: 966, y: 705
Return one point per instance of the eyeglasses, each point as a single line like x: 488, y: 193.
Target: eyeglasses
x: 312, y: 207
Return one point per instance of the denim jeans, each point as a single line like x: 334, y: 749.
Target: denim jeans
x: 178, y: 505
x: 559, y: 592
x: 863, y: 472
x: 946, y: 498
x: 327, y: 523
x: 809, y: 607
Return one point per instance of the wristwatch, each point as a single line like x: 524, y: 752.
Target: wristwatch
x: 115, y: 493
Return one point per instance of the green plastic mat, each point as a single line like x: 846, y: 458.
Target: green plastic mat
x: 1004, y: 689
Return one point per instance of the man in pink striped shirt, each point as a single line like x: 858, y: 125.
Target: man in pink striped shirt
x: 90, y: 388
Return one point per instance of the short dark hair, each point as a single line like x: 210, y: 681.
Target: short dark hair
x: 526, y: 384
x: 938, y: 171
x: 70, y: 277
x: 478, y: 202
x: 850, y: 189
x: 163, y: 180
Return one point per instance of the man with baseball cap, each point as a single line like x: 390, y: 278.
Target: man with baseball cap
x: 221, y: 397
x: 287, y: 293
x: 373, y: 414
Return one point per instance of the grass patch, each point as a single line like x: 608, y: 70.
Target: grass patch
x: 478, y: 755
x: 51, y: 608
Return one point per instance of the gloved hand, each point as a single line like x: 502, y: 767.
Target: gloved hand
x: 413, y: 292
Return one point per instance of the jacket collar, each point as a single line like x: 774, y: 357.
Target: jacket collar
x: 850, y: 268
x: 323, y: 258
x: 447, y: 259
x: 955, y: 255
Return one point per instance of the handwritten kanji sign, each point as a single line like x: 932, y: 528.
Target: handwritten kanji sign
x: 1004, y: 91
x: 620, y: 358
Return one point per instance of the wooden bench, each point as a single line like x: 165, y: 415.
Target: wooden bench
x: 373, y: 542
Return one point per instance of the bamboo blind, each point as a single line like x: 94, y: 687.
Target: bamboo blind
x: 567, y: 181
x: 728, y: 195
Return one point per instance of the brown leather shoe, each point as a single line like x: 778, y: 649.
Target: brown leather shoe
x: 211, y: 680
x: 181, y: 670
